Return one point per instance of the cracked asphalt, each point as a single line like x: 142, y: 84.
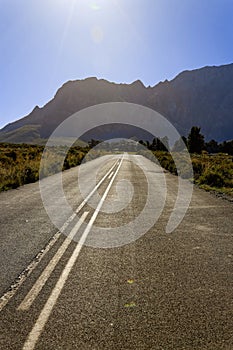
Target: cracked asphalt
x: 160, y: 291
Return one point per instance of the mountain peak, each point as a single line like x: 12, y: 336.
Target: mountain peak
x: 199, y: 97
x: 138, y: 82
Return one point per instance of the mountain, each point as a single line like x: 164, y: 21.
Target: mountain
x: 202, y: 97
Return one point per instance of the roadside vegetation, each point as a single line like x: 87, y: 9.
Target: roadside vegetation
x: 212, y: 162
x: 210, y: 171
x: 214, y: 172
x: 20, y: 163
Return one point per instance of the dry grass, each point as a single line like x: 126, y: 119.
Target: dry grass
x: 20, y: 163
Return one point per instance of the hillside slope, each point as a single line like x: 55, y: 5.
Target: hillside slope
x: 202, y: 97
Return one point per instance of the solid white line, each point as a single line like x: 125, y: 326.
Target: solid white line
x: 28, y: 270
x: 35, y: 290
x: 95, y: 188
x: 111, y: 175
x: 31, y: 296
x: 4, y: 300
x: 48, y: 307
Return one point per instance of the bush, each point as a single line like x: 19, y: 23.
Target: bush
x: 214, y: 171
x: 198, y: 167
x: 212, y: 179
x: 20, y: 164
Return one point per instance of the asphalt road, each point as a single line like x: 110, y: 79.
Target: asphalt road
x: 114, y: 283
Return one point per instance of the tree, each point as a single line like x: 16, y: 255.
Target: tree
x: 153, y: 145
x: 226, y: 147
x: 180, y: 144
x: 93, y: 143
x: 164, y: 143
x: 212, y: 146
x: 160, y: 144
x: 143, y: 143
x: 196, y: 142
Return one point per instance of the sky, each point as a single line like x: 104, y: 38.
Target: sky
x: 45, y: 43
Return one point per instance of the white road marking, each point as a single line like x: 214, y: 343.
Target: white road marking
x: 111, y: 175
x: 48, y: 307
x: 95, y: 188
x: 30, y: 268
x: 35, y: 290
x: 27, y: 272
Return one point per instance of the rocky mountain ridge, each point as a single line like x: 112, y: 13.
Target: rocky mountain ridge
x: 202, y: 97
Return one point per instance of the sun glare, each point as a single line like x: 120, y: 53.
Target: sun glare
x: 97, y: 5
x: 94, y: 6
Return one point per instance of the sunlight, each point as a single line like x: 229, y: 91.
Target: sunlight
x: 95, y: 6
x: 84, y: 6
x: 97, y: 34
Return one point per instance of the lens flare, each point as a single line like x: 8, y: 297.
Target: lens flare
x: 94, y: 6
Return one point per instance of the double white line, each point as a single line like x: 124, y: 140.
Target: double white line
x: 26, y: 273
x: 48, y: 307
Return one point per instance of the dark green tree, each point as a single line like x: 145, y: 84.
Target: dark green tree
x: 212, y: 146
x: 160, y: 144
x: 164, y: 143
x: 180, y: 144
x: 153, y: 145
x: 143, y: 143
x: 196, y: 142
x: 226, y: 147
x: 93, y: 143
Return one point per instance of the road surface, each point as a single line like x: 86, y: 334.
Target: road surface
x: 159, y: 291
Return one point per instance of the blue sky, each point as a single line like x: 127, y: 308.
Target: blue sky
x: 44, y: 43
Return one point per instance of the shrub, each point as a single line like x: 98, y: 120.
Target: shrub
x: 212, y: 179
x: 198, y: 168
x: 20, y: 164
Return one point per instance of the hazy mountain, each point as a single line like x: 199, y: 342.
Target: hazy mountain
x: 202, y: 97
